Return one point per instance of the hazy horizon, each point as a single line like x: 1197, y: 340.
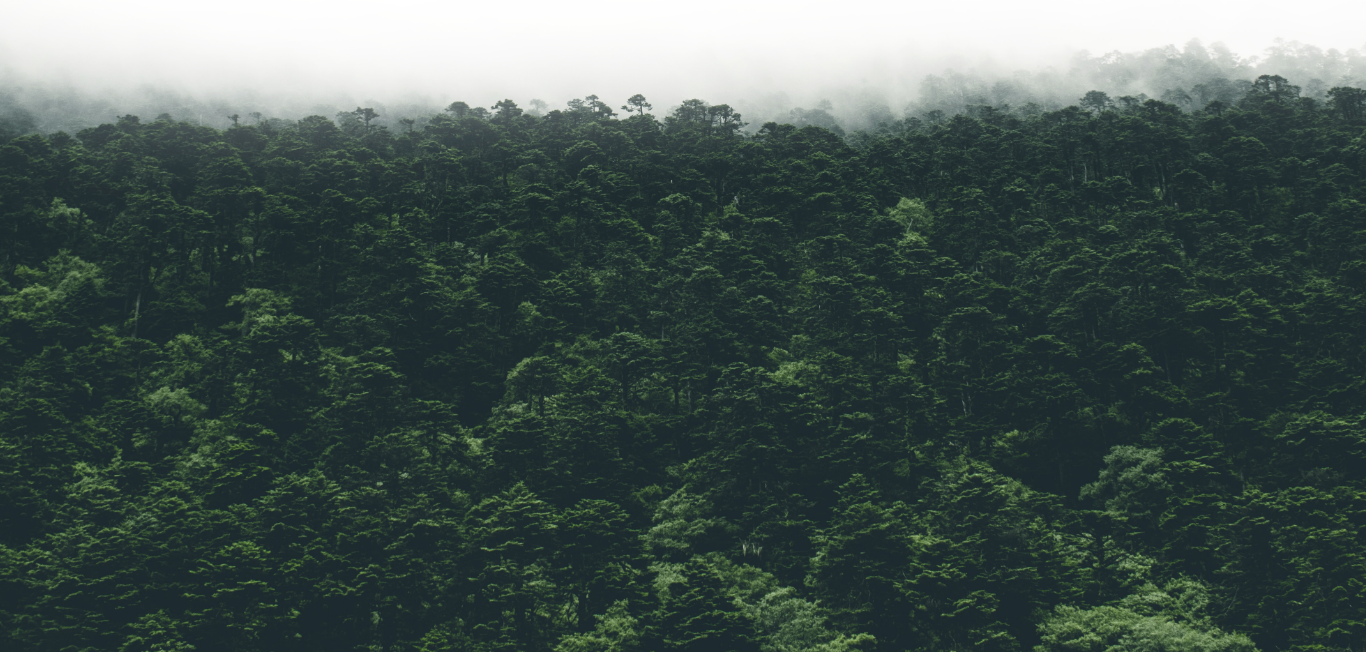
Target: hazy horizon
x: 288, y: 59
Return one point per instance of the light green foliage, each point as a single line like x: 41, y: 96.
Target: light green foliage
x: 912, y: 214
x: 55, y: 301
x: 175, y: 406
x: 615, y: 631
x: 792, y: 624
x: 155, y: 632
x: 698, y: 612
x: 1175, y: 618
x: 681, y: 522
x: 1131, y: 482
x: 444, y: 637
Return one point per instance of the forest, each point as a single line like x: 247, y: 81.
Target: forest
x: 1084, y: 379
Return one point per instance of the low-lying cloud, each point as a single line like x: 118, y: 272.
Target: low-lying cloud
x: 73, y: 62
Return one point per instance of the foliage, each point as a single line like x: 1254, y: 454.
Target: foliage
x: 1084, y: 379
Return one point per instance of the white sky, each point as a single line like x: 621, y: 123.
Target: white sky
x: 482, y: 51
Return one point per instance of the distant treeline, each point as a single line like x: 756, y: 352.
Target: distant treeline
x: 1086, y: 379
x: 1189, y: 77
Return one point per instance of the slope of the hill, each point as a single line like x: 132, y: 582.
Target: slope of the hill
x: 1080, y: 380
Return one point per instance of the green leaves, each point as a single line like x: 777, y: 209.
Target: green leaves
x: 697, y: 615
x: 859, y: 559
x: 1132, y: 480
x: 965, y: 382
x: 1175, y: 617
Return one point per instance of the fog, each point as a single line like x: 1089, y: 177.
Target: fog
x: 71, y: 64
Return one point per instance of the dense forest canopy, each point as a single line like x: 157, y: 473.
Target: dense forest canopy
x: 998, y: 378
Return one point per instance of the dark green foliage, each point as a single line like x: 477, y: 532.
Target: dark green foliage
x: 1087, y: 379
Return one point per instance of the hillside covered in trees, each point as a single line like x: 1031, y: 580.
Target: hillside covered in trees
x: 1003, y: 380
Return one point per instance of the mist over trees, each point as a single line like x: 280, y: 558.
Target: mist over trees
x: 1190, y: 77
x: 1005, y: 372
